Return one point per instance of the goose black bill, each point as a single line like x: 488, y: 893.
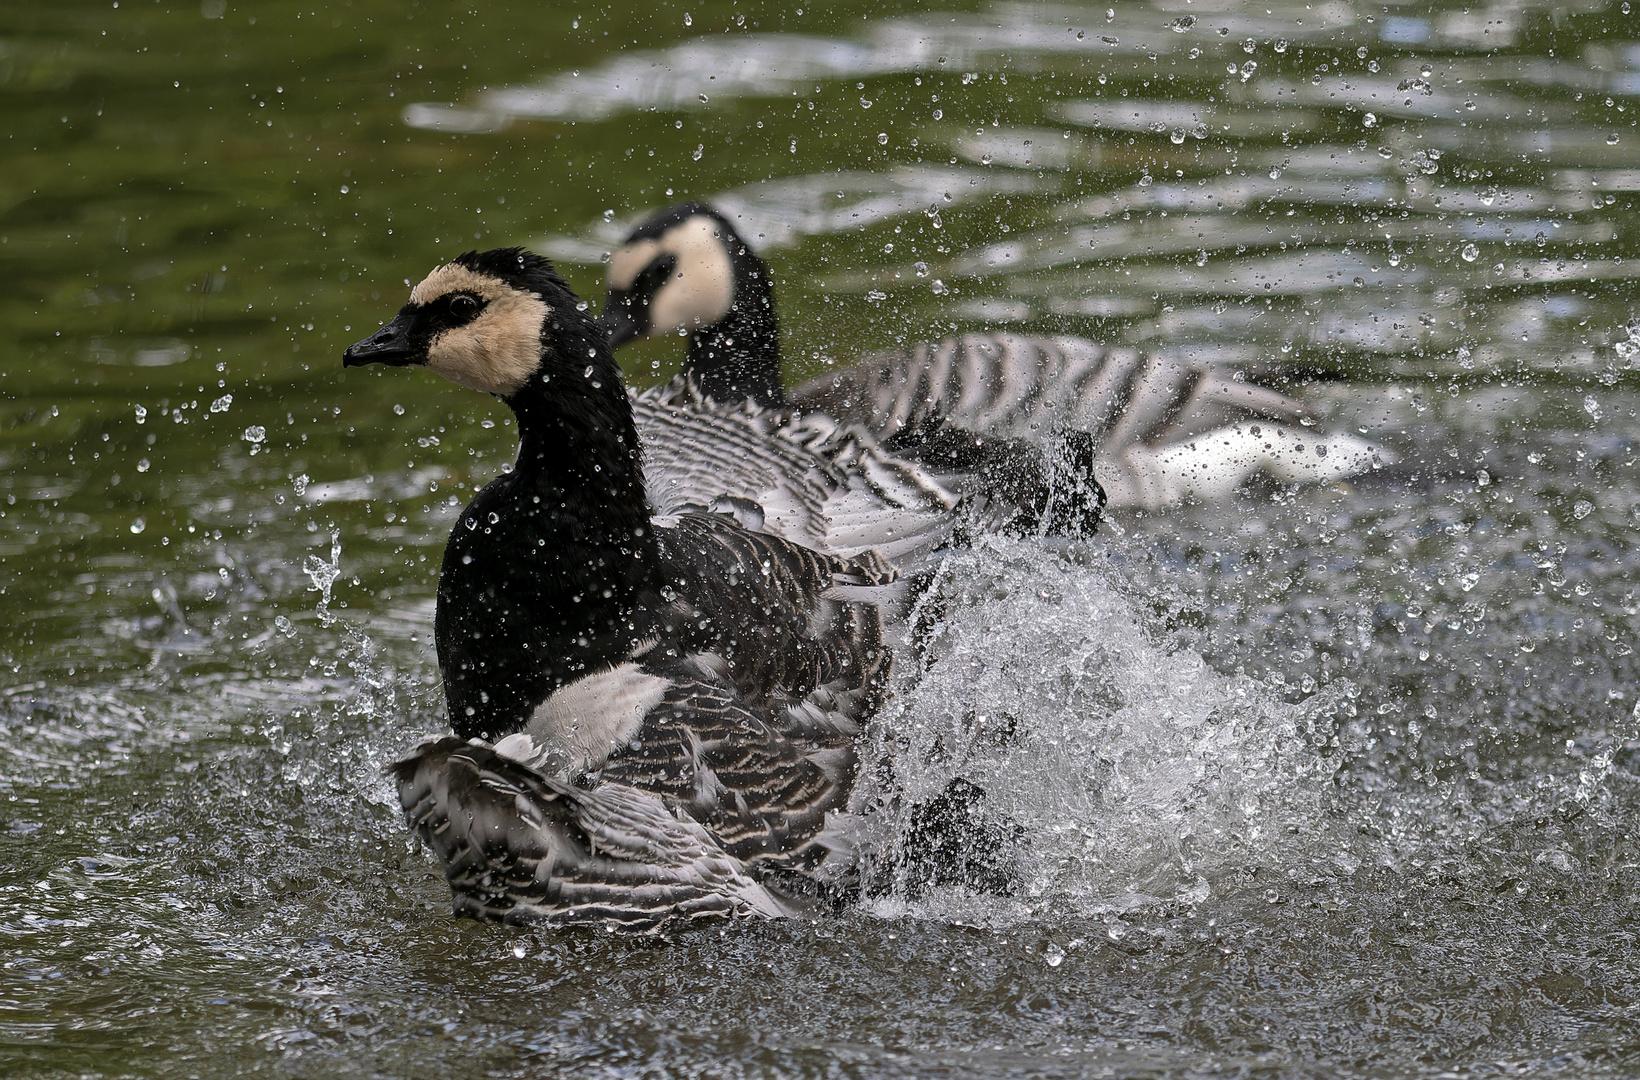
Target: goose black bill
x: 394, y: 345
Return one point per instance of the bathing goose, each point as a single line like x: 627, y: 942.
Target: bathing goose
x: 688, y: 268
x: 1164, y: 431
x: 654, y: 716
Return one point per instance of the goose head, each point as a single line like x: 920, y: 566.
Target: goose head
x: 493, y: 321
x: 686, y: 270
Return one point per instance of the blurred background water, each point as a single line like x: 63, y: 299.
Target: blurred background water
x: 1322, y: 783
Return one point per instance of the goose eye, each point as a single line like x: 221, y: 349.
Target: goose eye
x: 464, y: 307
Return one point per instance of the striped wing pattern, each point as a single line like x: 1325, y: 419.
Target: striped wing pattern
x: 830, y: 486
x: 519, y: 847
x: 1020, y: 386
x: 758, y: 787
x: 763, y: 608
x: 1027, y: 387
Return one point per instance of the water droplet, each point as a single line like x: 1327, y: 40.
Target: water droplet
x: 938, y: 287
x: 1369, y: 120
x: 138, y: 525
x: 688, y: 20
x: 882, y: 138
x: 1247, y: 70
x: 1053, y: 955
x: 865, y: 103
x: 1612, y: 140
x: 700, y: 148
x: 1470, y: 253
x: 1177, y: 137
x: 518, y: 950
x: 142, y: 415
x: 1182, y: 23
x: 1582, y: 509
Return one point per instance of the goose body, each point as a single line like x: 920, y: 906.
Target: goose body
x: 654, y: 713
x: 1161, y: 431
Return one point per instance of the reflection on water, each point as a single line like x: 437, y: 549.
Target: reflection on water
x: 1323, y: 783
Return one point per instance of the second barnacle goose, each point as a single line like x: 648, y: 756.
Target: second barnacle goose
x: 687, y: 269
x: 1161, y: 431
x: 654, y: 716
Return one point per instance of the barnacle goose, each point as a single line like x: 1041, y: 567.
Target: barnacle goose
x: 1163, y: 431
x: 655, y: 715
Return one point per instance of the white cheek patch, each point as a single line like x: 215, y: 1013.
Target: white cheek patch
x: 702, y: 288
x: 593, y: 717
x: 627, y: 263
x: 497, y: 352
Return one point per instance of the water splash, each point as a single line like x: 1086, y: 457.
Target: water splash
x: 1132, y: 772
x: 1593, y: 780
x: 324, y: 574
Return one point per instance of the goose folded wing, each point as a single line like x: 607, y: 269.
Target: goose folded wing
x: 519, y: 847
x: 697, y: 453
x: 765, y: 614
x: 827, y: 485
x: 762, y: 782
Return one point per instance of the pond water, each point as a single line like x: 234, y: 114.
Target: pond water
x: 1330, y: 782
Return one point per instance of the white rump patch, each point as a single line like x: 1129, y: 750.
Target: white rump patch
x: 594, y: 716
x: 1215, y: 464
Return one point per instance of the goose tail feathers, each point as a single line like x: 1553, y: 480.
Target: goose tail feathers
x: 519, y: 847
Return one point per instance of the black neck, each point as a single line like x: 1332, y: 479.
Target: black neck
x: 551, y: 570
x: 738, y: 357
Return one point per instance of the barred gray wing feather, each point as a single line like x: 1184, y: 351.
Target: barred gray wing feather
x: 829, y: 486
x: 694, y: 457
x: 1164, y: 428
x: 519, y: 847
x: 1022, y: 386
x: 767, y: 611
x: 762, y: 784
